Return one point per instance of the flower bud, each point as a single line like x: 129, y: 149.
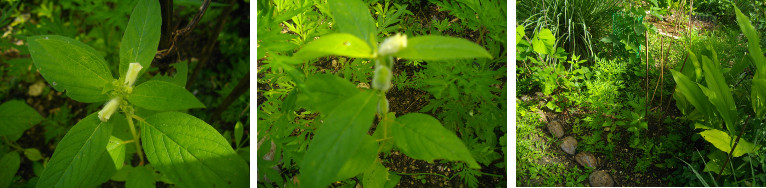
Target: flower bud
x: 382, y: 106
x: 109, y: 109
x: 382, y: 78
x: 393, y: 44
x: 130, y: 76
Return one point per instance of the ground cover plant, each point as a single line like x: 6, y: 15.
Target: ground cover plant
x: 372, y: 98
x: 68, y: 122
x: 671, y: 97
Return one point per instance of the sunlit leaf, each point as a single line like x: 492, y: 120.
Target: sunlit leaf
x: 421, y: 136
x: 142, y: 36
x: 190, y: 152
x: 723, y: 142
x: 432, y: 47
x: 70, y: 65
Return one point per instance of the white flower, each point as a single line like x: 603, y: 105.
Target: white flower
x: 130, y: 76
x: 109, y: 109
x: 393, y: 44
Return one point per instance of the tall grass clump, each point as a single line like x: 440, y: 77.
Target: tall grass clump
x: 577, y: 23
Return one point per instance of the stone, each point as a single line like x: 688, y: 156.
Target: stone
x: 587, y: 159
x: 36, y: 89
x: 543, y: 116
x: 555, y: 128
x: 526, y: 98
x: 601, y: 179
x: 569, y: 145
x: 363, y: 85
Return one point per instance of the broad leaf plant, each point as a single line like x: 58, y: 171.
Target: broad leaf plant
x: 341, y: 147
x: 184, y: 149
x: 714, y: 110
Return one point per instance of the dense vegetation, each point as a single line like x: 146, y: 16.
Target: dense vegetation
x: 382, y: 93
x: 660, y: 93
x: 67, y: 119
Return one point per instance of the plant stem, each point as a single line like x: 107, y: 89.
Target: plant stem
x: 415, y: 174
x: 129, y: 116
x: 732, y: 148
x: 242, y: 86
x: 207, y: 50
x: 13, y: 144
x: 646, y: 104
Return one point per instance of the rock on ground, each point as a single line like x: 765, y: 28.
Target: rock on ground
x: 555, y: 128
x: 601, y: 179
x: 569, y: 145
x: 587, y: 159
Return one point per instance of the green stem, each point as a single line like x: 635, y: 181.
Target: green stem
x: 13, y: 144
x: 415, y: 174
x: 135, y: 137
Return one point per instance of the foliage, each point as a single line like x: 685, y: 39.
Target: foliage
x: 628, y: 34
x: 95, y: 152
x: 717, y: 113
x: 577, y: 23
x: 358, y: 149
x: 311, y: 113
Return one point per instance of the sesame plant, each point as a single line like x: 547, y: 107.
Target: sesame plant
x: 341, y: 147
x: 185, y: 150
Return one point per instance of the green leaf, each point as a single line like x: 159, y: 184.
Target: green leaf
x: 716, y: 162
x: 73, y: 160
x: 393, y: 180
x: 433, y: 47
x: 323, y: 92
x: 70, y: 65
x: 122, y: 174
x: 116, y: 150
x: 376, y: 176
x: 103, y: 170
x: 361, y: 160
x: 352, y: 16
x: 163, y: 96
x: 339, y: 138
x: 519, y: 33
x: 758, y: 97
x: 33, y: 154
x: 693, y: 93
x: 723, y: 142
x: 543, y: 42
x: 421, y: 136
x: 722, y: 98
x: 16, y: 117
x: 10, y: 164
x: 753, y: 43
x: 340, y: 44
x: 142, y: 36
x: 190, y: 152
x: 238, y: 131
x: 140, y: 177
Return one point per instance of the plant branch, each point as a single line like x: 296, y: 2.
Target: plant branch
x: 12, y: 144
x: 732, y: 148
x: 168, y: 45
x: 241, y: 88
x: 166, y: 7
x: 415, y: 174
x: 646, y: 104
x: 129, y: 116
x: 208, y: 48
